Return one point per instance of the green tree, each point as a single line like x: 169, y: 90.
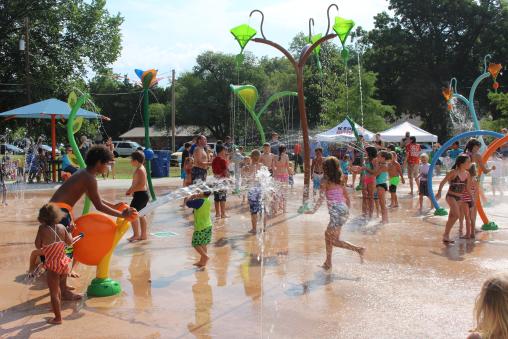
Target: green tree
x: 423, y: 44
x: 499, y: 103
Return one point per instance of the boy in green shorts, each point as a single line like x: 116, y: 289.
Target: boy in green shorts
x: 202, y: 235
x: 395, y: 173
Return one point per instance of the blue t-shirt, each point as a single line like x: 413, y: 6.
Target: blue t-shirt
x: 454, y: 153
x: 344, y: 166
x: 65, y: 161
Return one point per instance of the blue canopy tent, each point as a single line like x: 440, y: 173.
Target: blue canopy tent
x: 49, y: 109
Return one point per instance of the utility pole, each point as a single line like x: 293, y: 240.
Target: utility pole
x: 27, y: 61
x: 173, y: 112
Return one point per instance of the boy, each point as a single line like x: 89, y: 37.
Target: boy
x: 422, y: 176
x: 202, y: 235
x: 266, y: 158
x: 185, y: 155
x: 254, y: 194
x: 220, y: 171
x: 316, y: 169
x: 84, y: 182
x: 140, y: 197
x: 395, y: 174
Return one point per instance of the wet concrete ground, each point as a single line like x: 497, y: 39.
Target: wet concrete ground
x: 411, y: 285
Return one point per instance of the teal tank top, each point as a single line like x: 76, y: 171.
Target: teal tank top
x: 382, y: 178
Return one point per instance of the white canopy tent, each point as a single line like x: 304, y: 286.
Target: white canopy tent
x: 344, y: 133
x: 397, y: 133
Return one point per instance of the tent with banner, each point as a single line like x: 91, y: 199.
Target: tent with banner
x: 397, y: 133
x: 344, y: 133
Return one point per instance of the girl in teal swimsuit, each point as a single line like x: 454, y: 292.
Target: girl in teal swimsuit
x: 381, y: 171
x: 369, y: 182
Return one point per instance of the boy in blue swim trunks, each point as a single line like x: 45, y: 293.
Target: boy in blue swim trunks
x: 254, y: 194
x: 317, y: 169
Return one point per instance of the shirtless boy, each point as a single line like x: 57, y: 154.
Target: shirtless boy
x: 201, y: 160
x: 267, y: 157
x: 395, y: 175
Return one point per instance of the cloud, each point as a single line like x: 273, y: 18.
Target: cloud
x: 171, y: 34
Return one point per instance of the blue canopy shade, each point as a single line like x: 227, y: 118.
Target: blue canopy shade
x: 47, y: 108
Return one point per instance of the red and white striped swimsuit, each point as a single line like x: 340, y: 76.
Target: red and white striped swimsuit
x: 56, y: 259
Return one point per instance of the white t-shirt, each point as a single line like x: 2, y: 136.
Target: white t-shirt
x: 424, y: 171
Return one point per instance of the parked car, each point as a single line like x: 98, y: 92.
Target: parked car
x: 11, y: 149
x: 176, y: 159
x: 48, y: 149
x: 125, y: 148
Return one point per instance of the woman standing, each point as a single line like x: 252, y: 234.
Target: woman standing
x: 111, y: 147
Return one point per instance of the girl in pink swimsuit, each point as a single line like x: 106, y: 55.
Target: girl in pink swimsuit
x: 332, y: 188
x: 369, y: 182
x: 281, y: 174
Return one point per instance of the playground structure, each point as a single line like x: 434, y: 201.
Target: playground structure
x: 342, y: 27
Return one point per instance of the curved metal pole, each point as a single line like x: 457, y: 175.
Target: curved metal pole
x: 453, y: 84
x: 485, y: 60
x: 280, y: 48
x: 310, y: 30
x: 328, y: 16
x: 471, y: 98
x: 262, y: 20
x: 305, y: 56
x: 462, y: 98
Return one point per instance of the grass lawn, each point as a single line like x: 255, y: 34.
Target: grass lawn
x: 124, y: 169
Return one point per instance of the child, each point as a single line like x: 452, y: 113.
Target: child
x: 84, y: 182
x: 140, y: 197
x: 345, y: 166
x: 412, y: 160
x: 423, y: 190
x: 469, y: 206
x: 291, y: 170
x: 267, y: 157
x: 338, y: 206
x: 187, y: 168
x: 220, y: 171
x: 491, y: 309
x: 52, y: 239
x: 395, y: 173
x: 381, y: 172
x: 3, y: 186
x: 369, y: 182
x: 460, y: 182
x: 316, y: 169
x: 254, y: 194
x: 202, y: 235
x: 281, y: 174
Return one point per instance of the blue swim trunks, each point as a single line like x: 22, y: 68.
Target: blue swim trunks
x: 254, y: 198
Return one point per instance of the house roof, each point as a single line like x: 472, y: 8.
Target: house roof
x: 180, y: 131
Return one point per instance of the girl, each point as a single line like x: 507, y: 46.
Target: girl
x: 316, y: 168
x: 472, y: 149
x: 345, y: 167
x: 423, y: 174
x: 187, y: 167
x: 395, y: 173
x: 369, y: 182
x: 338, y: 206
x: 381, y: 172
x: 491, y: 309
x: 52, y: 239
x: 281, y: 174
x: 469, y: 206
x: 460, y: 182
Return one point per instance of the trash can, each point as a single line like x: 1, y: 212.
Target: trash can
x: 160, y: 164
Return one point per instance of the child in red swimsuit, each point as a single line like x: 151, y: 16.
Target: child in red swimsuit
x: 52, y: 239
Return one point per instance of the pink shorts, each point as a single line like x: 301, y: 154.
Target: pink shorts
x: 282, y: 177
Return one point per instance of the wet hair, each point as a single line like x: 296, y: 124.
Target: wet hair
x: 332, y: 171
x: 50, y: 214
x: 386, y: 155
x: 282, y: 148
x: 207, y: 193
x: 461, y: 159
x: 491, y: 307
x: 391, y: 147
x: 472, y: 143
x: 219, y: 148
x: 346, y: 156
x: 318, y: 149
x: 424, y: 155
x: 472, y: 170
x: 187, y: 145
x: 413, y: 139
x: 219, y: 142
x: 255, y: 155
x: 371, y: 152
x: 266, y: 144
x: 138, y: 156
x: 456, y: 143
x: 96, y: 154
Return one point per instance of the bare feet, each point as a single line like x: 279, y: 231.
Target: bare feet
x: 252, y: 231
x: 68, y: 295
x: 73, y: 274
x: 361, y: 253
x: 225, y: 216
x: 55, y: 321
x: 70, y: 288
x: 326, y: 266
x: 133, y: 239
x: 202, y: 262
x: 447, y: 241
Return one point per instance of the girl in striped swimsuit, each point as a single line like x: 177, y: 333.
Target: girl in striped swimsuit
x: 469, y: 206
x: 338, y: 203
x: 52, y: 239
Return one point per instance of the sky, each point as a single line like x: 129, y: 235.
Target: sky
x: 170, y: 34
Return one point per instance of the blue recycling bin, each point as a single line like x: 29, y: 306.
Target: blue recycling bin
x: 160, y: 164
